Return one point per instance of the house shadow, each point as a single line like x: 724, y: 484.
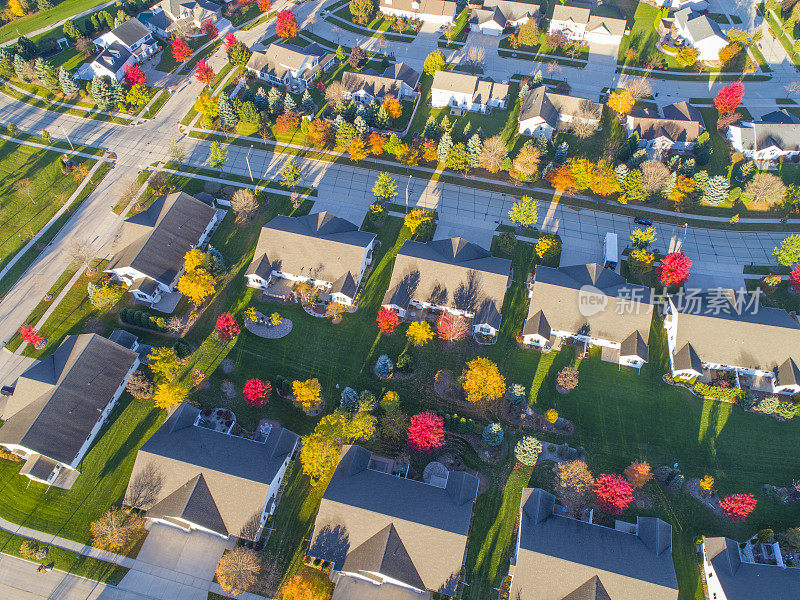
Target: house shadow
x: 332, y: 543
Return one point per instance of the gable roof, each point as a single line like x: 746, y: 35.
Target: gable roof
x: 155, y: 241
x: 218, y: 481
x: 113, y: 57
x: 745, y: 581
x: 437, y: 8
x: 756, y: 338
x: 577, y: 14
x: 510, y: 10
x: 380, y: 85
x: 698, y: 26
x: 557, y: 294
x: 319, y: 245
x: 481, y: 90
x: 451, y: 272
x: 278, y: 59
x: 539, y: 102
x: 370, y: 521
x: 130, y: 32
x: 561, y: 558
x: 681, y: 123
x: 58, y: 401
x: 611, y: 25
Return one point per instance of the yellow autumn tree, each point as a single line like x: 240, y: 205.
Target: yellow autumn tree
x: 621, y: 102
x: 419, y: 333
x: 307, y: 393
x: 707, y: 483
x: 169, y: 394
x: 197, y: 285
x: 310, y: 584
x: 482, y: 381
x: 551, y: 415
x: 15, y: 8
x: 416, y: 218
x: 195, y: 259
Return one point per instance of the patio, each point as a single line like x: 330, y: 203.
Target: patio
x: 220, y: 419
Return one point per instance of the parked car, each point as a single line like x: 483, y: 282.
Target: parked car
x: 642, y: 221
x: 7, y: 390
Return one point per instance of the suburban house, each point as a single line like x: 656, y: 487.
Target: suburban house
x: 590, y: 305
x: 675, y: 129
x: 290, y: 65
x: 558, y: 557
x: 569, y: 20
x: 467, y: 92
x: 129, y: 43
x: 731, y: 572
x: 60, y: 404
x: 438, y: 12
x: 720, y: 330
x: 495, y: 15
x: 543, y: 112
x: 179, y: 16
x: 205, y: 479
x: 399, y: 80
x: 150, y: 246
x: 700, y: 32
x: 320, y: 248
x: 773, y: 137
x: 450, y: 275
x: 392, y: 537
x: 604, y: 30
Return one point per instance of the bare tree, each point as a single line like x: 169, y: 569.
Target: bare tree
x: 174, y: 324
x: 115, y: 529
x: 793, y: 88
x: 177, y: 152
x: 655, y: 176
x: 249, y: 530
x: 474, y: 57
x: 244, y: 204
x: 158, y: 182
x: 334, y: 92
x: 144, y: 488
x: 639, y: 87
x: 85, y: 46
x: 766, y: 188
x: 586, y: 119
x: 493, y: 153
x: 25, y: 186
x: 238, y: 570
x: 140, y: 386
x: 82, y: 251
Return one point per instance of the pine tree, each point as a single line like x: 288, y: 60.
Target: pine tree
x: 445, y: 143
x: 19, y: 68
x: 288, y: 103
x: 46, y: 73
x: 101, y: 92
x: 307, y: 102
x: 431, y: 129
x: 467, y: 129
x: 275, y: 101
x: 227, y: 115
x: 71, y: 30
x: 523, y: 90
x: 445, y: 124
x: 700, y: 180
x: 474, y: 148
x: 361, y: 127
x: 537, y: 78
x: 118, y: 93
x: 561, y: 153
x: 6, y: 64
x: 382, y: 117
x: 260, y: 99
x: 67, y: 82
x: 94, y: 21
x: 338, y: 122
x: 716, y: 191
x: 621, y: 171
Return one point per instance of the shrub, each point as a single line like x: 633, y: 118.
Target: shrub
x: 663, y: 473
x: 567, y: 379
x: 256, y: 392
x: 516, y: 393
x: 349, y: 398
x: 387, y: 320
x: 28, y: 549
x: 736, y: 507
x: 786, y: 410
x: 675, y: 484
x: 426, y: 432
x: 493, y: 434
x: 551, y: 415
x: 384, y: 367
x: 728, y: 394
x: 390, y: 401
x: 768, y: 405
x: 405, y: 363
x: 765, y: 535
x: 366, y: 401
x: 182, y: 349
x: 613, y: 493
x: 528, y: 450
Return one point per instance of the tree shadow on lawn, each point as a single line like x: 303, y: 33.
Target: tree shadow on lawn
x: 130, y: 443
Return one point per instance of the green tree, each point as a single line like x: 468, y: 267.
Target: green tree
x: 362, y: 11
x: 434, y: 62
x: 716, y: 190
x: 71, y: 30
x: 340, y: 54
x: 164, y: 363
x: 458, y: 158
x: 67, y: 82
x: 474, y: 149
x: 218, y: 154
x: 524, y: 212
x: 631, y: 186
x: 20, y: 68
x: 227, y: 115
x: 788, y: 252
x: 443, y: 149
x: 642, y: 238
x: 385, y: 187
x: 137, y: 96
x: 6, y: 65
x: 291, y: 174
x: 101, y: 92
x: 249, y: 113
x: 238, y: 54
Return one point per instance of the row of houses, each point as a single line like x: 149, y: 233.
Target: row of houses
x: 578, y: 24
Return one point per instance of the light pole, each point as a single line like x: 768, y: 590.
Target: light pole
x: 247, y: 159
x: 66, y: 136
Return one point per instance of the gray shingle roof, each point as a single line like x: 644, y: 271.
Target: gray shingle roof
x: 378, y: 86
x: 113, y: 57
x: 761, y: 338
x: 698, y: 25
x: 58, y: 401
x: 562, y: 558
x: 557, y: 293
x: 319, y: 245
x: 613, y: 26
x: 426, y: 7
x: 277, y: 59
x: 130, y: 32
x: 510, y: 10
x: 578, y: 14
x: 680, y: 122
x: 215, y: 480
x: 155, y: 241
x: 451, y: 272
x: 539, y: 102
x: 746, y: 581
x: 408, y: 530
x: 481, y: 90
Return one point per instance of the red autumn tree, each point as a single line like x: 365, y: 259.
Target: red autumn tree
x: 29, y: 335
x: 134, y: 75
x: 387, y: 321
x: 204, y: 73
x: 287, y: 122
x: 730, y: 97
x: 230, y: 41
x: 180, y: 50
x: 426, y: 432
x: 794, y: 279
x: 736, y: 507
x: 245, y: 2
x: 264, y: 5
x: 209, y: 28
x: 452, y: 328
x: 256, y: 392
x: 674, y: 269
x: 613, y: 493
x: 226, y: 327
x: 287, y: 25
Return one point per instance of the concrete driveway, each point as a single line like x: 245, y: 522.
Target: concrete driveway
x: 175, y: 565
x: 603, y: 55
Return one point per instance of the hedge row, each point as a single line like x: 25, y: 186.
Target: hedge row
x: 142, y: 319
x: 731, y: 394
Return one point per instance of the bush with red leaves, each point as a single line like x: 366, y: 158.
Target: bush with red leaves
x: 229, y: 41
x: 613, y: 493
x: 452, y: 328
x: 426, y: 432
x: 226, y: 327
x: 203, y: 72
x: 674, y: 269
x: 736, y: 507
x: 256, y: 392
x: 209, y: 28
x: 794, y: 279
x: 387, y: 321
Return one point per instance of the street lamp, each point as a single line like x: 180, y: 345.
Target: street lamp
x: 247, y: 159
x: 66, y: 136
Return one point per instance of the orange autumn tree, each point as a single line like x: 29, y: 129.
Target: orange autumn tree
x: 638, y: 473
x: 561, y: 178
x: 621, y: 102
x: 357, y: 149
x: 392, y: 106
x: 604, y: 181
x: 376, y: 141
x: 683, y: 187
x: 308, y: 585
x: 320, y: 133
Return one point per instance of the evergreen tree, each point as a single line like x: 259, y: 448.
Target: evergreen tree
x: 382, y: 117
x: 474, y: 148
x: 275, y: 101
x: 46, y: 73
x: 467, y: 129
x: 260, y: 99
x: 248, y: 113
x: 44, y: 4
x: 371, y: 113
x: 26, y: 48
x: 621, y: 171
x: 716, y: 191
x: 94, y: 21
x: 700, y: 180
x: 561, y: 153
x: 71, y: 30
x: 6, y: 65
x: 431, y: 129
x: 307, y: 102
x: 227, y: 114
x: 339, y: 108
x: 67, y: 82
x: 338, y: 122
x: 361, y: 127
x: 345, y: 134
x: 101, y: 92
x: 288, y: 103
x: 445, y: 143
x: 118, y: 93
x: 445, y: 125
x: 523, y: 89
x: 19, y: 68
x: 537, y: 78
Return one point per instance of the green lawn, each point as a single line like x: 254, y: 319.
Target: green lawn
x: 168, y: 64
x: 38, y: 20
x: 33, y: 188
x: 379, y: 27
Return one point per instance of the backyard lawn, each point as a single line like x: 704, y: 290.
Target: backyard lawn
x: 38, y: 20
